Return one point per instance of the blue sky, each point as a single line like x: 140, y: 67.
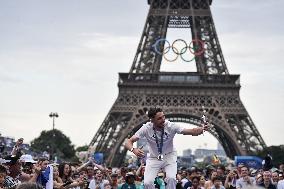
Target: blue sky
x: 64, y: 56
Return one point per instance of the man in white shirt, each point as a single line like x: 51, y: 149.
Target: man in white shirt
x: 159, y: 134
x: 280, y: 184
x: 245, y: 180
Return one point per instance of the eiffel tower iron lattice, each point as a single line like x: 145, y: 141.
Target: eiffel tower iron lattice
x: 181, y: 94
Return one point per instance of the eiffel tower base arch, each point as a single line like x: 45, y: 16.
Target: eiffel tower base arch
x: 181, y: 96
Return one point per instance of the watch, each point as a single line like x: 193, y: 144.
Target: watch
x: 132, y: 149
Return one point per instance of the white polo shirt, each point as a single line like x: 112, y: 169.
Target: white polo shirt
x: 147, y: 132
x: 280, y: 184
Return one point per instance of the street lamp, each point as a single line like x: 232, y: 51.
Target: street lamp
x: 53, y: 115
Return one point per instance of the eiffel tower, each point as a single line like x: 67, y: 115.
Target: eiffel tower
x: 182, y: 95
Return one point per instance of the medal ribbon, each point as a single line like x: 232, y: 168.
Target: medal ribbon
x: 159, y: 146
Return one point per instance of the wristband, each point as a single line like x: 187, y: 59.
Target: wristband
x: 132, y: 149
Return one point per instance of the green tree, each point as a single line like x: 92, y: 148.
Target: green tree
x: 54, y: 142
x: 82, y: 148
x: 276, y: 152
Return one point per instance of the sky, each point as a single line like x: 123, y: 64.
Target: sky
x: 64, y: 56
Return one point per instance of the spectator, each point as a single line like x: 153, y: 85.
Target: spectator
x: 195, y: 183
x: 231, y: 179
x: 267, y: 181
x: 258, y: 179
x: 209, y: 183
x: 114, y: 180
x: 280, y: 184
x: 184, y: 179
x: 3, y: 174
x: 42, y: 171
x: 202, y: 182
x: 159, y: 181
x: 29, y: 185
x: 108, y: 186
x: 98, y: 182
x: 281, y: 167
x: 57, y: 181
x: 217, y: 183
x: 17, y: 148
x: 221, y: 173
x: 280, y: 176
x: 27, y: 163
x: 275, y: 178
x: 129, y: 182
x: 140, y: 171
x: 65, y: 175
x: 15, y: 175
x: 245, y: 180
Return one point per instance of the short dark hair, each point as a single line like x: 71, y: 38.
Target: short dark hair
x: 195, y: 177
x: 217, y: 178
x: 3, y: 169
x: 42, y: 159
x: 222, y: 167
x: 153, y: 111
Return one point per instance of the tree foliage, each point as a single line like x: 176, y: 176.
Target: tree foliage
x: 276, y: 152
x: 54, y: 142
x: 82, y: 148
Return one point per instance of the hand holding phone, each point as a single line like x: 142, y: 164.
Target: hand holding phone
x: 67, y: 183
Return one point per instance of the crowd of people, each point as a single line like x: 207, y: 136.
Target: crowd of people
x: 24, y: 172
x: 160, y: 172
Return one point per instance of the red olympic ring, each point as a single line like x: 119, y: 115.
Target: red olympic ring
x: 194, y: 51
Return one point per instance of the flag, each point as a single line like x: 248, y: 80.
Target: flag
x: 49, y: 184
x: 215, y: 160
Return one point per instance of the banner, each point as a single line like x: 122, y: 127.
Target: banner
x: 250, y: 161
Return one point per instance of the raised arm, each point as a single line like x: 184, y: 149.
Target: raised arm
x: 195, y: 131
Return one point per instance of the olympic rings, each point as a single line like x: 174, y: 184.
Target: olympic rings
x: 195, y: 47
x: 157, y: 44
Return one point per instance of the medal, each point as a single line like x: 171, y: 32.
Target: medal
x: 159, y: 145
x: 160, y: 157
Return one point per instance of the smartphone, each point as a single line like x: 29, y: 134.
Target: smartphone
x: 67, y: 183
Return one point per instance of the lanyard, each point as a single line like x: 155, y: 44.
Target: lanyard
x: 159, y: 146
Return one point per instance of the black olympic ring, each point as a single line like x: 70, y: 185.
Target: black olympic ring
x: 195, y: 47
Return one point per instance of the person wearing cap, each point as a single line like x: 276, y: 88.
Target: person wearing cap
x: 159, y: 181
x: 27, y: 163
x: 159, y: 134
x: 14, y: 168
x: 129, y: 182
x: 114, y: 180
